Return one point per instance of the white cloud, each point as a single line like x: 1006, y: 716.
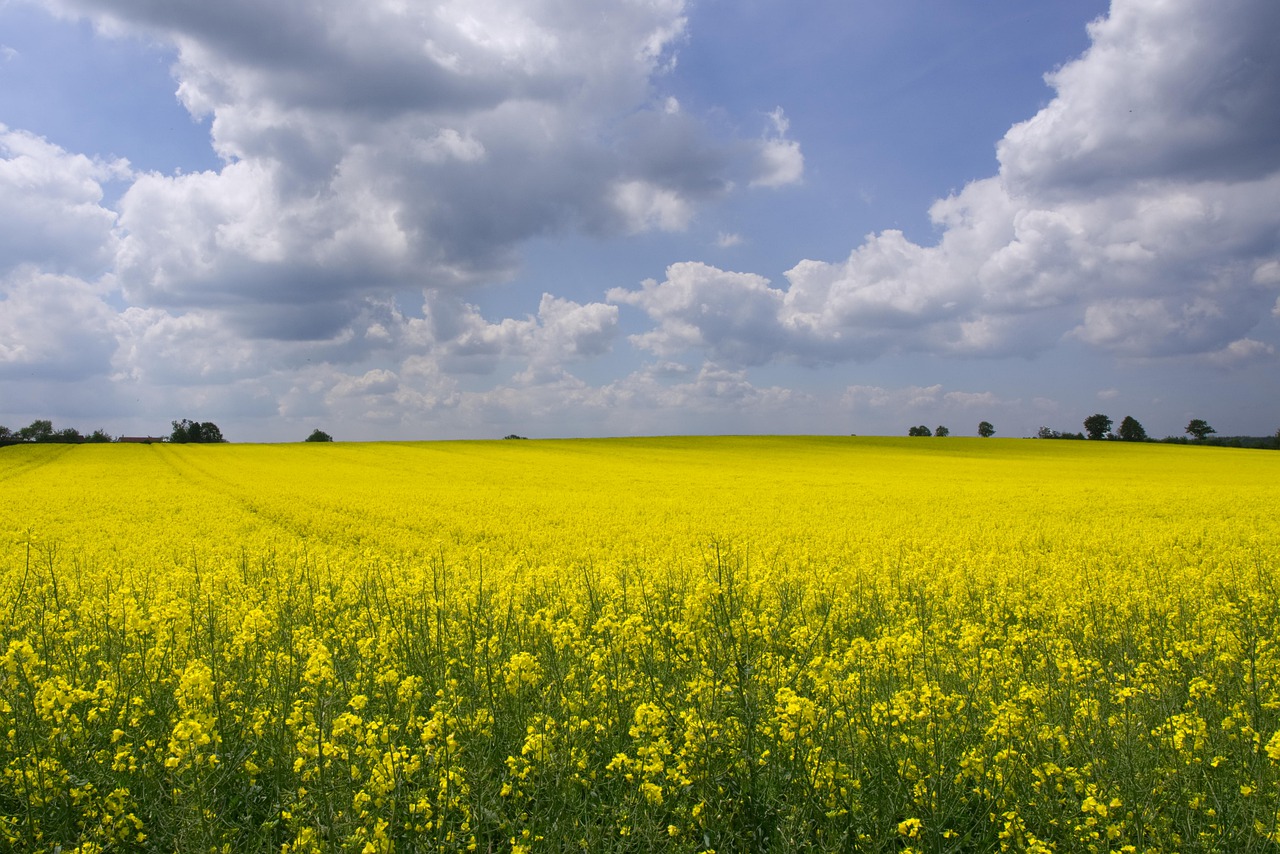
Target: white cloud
x: 733, y: 316
x: 195, y: 348
x: 1169, y: 89
x: 56, y: 248
x: 780, y: 164
x: 54, y: 328
x: 447, y: 145
x: 780, y: 160
x: 562, y: 331
x: 646, y: 207
x: 1140, y: 235
x: 372, y: 383
x: 1267, y: 274
x: 648, y: 401
x: 51, y: 206
x: 894, y: 409
x: 1143, y: 326
x: 973, y: 399
x: 382, y: 147
x: 573, y: 331
x: 910, y: 397
x: 1242, y: 352
x: 662, y: 390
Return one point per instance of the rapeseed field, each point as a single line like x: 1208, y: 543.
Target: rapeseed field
x: 711, y: 644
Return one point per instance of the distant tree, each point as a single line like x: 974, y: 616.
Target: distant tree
x: 920, y: 431
x: 99, y: 436
x: 6, y: 435
x: 209, y: 432
x: 68, y: 435
x: 514, y: 436
x: 986, y: 430
x: 941, y: 431
x: 1199, y: 428
x: 1097, y: 426
x: 182, y: 431
x: 1046, y: 433
x: 1131, y: 430
x: 185, y: 431
x: 318, y: 435
x: 37, y: 431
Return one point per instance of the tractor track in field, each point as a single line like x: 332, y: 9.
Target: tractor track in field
x: 203, y: 479
x: 297, y: 523
x: 35, y: 463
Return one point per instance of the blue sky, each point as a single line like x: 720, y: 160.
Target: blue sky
x: 575, y: 218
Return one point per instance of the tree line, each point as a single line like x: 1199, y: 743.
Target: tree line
x: 1097, y: 427
x: 985, y: 429
x: 41, y: 431
x: 185, y: 431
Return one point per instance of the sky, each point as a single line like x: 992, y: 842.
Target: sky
x: 468, y: 218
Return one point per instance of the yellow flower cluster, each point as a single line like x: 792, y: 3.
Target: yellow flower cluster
x: 821, y: 644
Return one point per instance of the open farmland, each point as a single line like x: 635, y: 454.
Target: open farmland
x: 738, y: 644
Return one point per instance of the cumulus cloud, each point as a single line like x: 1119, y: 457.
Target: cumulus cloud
x: 780, y: 161
x: 194, y: 348
x: 54, y: 327
x: 647, y: 207
x: 375, y: 382
x: 431, y: 400
x: 56, y: 251
x: 1167, y: 90
x: 1143, y: 234
x: 894, y: 409
x: 51, y: 205
x: 910, y: 398
x: 388, y: 146
x: 714, y: 387
x: 377, y: 149
x: 647, y: 400
x: 733, y: 316
x: 562, y: 331
x: 368, y: 152
x: 1242, y: 352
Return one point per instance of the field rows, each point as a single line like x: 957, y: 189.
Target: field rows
x: 823, y: 644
